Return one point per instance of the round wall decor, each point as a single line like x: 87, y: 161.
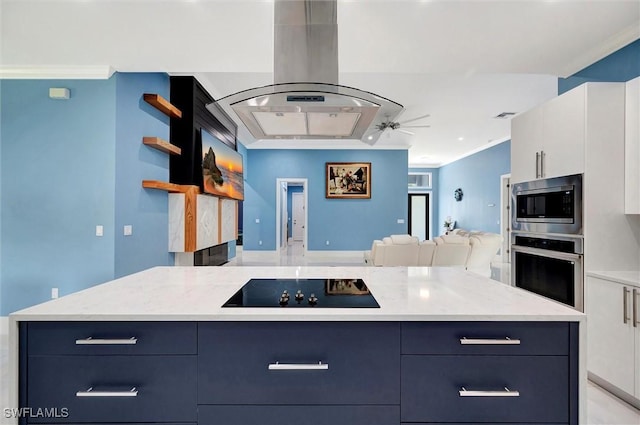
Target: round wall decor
x: 458, y: 194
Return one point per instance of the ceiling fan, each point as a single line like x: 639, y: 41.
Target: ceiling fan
x: 400, y: 126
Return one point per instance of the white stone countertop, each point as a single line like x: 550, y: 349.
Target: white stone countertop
x: 197, y: 294
x: 625, y: 278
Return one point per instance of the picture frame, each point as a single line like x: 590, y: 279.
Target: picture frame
x: 348, y: 180
x: 222, y: 168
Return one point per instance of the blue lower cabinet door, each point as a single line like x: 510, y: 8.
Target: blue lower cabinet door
x: 298, y: 415
x: 112, y: 388
x: 330, y: 363
x: 485, y: 389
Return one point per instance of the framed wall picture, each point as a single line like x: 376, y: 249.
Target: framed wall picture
x: 348, y: 180
x: 221, y: 168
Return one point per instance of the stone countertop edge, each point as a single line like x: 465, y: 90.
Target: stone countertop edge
x: 197, y: 294
x: 624, y: 277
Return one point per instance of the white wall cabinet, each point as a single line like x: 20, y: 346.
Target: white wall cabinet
x: 632, y: 147
x: 563, y: 134
x: 550, y: 140
x: 613, y: 328
x: 526, y: 139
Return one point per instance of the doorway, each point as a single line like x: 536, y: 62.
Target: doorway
x: 297, y: 219
x: 505, y: 217
x: 420, y: 215
x: 291, y: 213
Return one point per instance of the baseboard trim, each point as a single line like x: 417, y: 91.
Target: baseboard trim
x: 322, y: 253
x: 621, y: 394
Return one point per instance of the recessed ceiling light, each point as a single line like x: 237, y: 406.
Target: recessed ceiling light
x: 461, y: 138
x: 370, y: 137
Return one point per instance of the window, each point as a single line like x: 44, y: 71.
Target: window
x: 419, y: 181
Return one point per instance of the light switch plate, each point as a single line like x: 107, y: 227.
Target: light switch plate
x: 401, y: 221
x: 128, y: 230
x: 99, y: 230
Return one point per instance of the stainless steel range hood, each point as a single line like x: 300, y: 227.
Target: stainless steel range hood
x: 306, y: 102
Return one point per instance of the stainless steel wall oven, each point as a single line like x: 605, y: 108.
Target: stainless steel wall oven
x: 546, y: 239
x: 551, y: 267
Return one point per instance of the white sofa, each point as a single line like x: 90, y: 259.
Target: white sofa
x: 471, y: 250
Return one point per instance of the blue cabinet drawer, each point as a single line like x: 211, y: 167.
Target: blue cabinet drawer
x: 431, y: 388
x: 298, y: 415
x: 165, y: 385
x: 502, y: 338
x: 299, y: 363
x: 106, y: 338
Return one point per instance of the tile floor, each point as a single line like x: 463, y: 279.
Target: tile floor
x: 602, y: 407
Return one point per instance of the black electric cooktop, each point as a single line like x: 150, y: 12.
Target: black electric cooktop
x: 309, y: 293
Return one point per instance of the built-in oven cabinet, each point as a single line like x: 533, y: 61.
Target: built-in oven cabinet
x: 548, y: 141
x: 632, y: 147
x: 613, y: 343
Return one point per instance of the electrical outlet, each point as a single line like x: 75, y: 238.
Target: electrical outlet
x: 54, y: 293
x: 99, y: 230
x: 257, y: 220
x: 400, y: 221
x: 128, y: 230
x: 327, y: 242
x: 259, y: 242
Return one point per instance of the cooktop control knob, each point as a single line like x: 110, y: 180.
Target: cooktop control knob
x: 313, y: 300
x: 284, y: 301
x: 299, y: 296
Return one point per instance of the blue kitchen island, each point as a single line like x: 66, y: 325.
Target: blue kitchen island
x: 444, y: 346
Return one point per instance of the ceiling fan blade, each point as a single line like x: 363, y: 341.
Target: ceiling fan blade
x: 416, y: 126
x: 407, y: 132
x: 415, y: 119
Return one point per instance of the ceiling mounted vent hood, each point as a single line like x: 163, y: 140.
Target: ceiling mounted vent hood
x: 306, y: 101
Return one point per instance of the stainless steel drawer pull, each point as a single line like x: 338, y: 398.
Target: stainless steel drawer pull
x: 625, y: 296
x: 133, y: 392
x: 636, y: 293
x: 489, y: 341
x: 506, y: 393
x: 298, y: 366
x: 97, y: 341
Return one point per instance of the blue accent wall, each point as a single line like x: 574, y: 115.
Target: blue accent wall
x: 145, y: 209
x: 69, y: 165
x: 620, y: 66
x: 58, y: 183
x: 348, y: 224
x: 478, y: 176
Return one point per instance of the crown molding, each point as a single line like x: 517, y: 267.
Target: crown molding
x: 56, y: 72
x: 602, y: 50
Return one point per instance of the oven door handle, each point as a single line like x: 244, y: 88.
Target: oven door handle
x: 547, y: 253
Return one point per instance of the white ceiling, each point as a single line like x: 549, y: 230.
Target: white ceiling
x: 462, y: 62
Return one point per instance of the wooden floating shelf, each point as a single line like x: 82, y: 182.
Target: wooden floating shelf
x: 170, y: 187
x: 161, y: 145
x: 162, y: 104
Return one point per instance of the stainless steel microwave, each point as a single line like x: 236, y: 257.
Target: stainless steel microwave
x: 548, y: 205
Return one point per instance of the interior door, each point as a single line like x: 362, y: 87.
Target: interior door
x: 419, y: 215
x: 297, y: 210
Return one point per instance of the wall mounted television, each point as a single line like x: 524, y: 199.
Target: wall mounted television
x: 222, y: 172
